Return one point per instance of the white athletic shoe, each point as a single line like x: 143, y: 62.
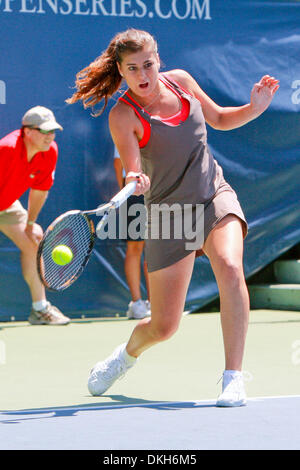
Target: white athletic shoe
x: 105, y: 373
x: 138, y: 310
x: 233, y: 391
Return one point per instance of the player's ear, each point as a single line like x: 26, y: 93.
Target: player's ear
x: 119, y: 68
x: 26, y: 131
x: 158, y: 60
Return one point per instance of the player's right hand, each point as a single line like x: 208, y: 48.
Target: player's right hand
x: 143, y: 182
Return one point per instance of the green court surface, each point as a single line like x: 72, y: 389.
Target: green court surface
x: 44, y: 366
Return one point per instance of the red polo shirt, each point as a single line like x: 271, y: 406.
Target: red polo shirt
x: 17, y: 174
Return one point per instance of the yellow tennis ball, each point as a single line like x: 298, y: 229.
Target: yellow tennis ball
x: 62, y: 255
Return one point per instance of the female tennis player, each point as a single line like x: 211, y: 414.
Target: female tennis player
x: 158, y: 126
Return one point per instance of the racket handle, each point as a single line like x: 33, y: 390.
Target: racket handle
x: 124, y: 194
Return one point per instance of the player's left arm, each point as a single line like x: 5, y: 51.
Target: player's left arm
x: 36, y: 200
x: 227, y: 118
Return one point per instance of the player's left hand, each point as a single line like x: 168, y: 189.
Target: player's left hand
x: 34, y: 232
x: 263, y: 92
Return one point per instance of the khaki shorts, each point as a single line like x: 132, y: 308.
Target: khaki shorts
x: 15, y: 214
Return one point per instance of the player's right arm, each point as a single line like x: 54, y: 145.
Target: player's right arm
x: 119, y: 172
x: 126, y: 131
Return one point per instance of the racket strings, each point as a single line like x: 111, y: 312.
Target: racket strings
x: 74, y: 231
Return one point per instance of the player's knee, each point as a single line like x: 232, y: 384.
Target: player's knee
x: 232, y: 272
x: 164, y: 331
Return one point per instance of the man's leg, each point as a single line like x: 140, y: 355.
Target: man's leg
x: 16, y: 233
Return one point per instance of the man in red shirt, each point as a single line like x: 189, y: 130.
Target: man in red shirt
x: 27, y: 161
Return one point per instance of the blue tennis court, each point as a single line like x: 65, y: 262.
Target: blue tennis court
x: 266, y: 423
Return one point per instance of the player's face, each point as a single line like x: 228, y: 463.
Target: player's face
x: 41, y: 142
x: 140, y: 70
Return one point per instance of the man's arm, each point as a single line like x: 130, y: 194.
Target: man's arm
x: 36, y: 200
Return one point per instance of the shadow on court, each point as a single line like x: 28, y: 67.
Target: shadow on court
x: 119, y: 402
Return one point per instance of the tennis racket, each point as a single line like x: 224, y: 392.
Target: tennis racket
x: 75, y: 230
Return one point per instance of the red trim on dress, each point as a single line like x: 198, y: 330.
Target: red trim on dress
x: 146, y: 125
x: 182, y: 114
x: 174, y: 120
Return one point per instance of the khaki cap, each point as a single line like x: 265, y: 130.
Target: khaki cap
x: 42, y: 118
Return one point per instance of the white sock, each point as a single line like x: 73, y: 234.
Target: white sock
x: 231, y: 374
x: 129, y: 360
x: 40, y: 305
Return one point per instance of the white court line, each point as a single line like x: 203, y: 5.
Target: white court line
x: 134, y: 405
x: 276, y: 397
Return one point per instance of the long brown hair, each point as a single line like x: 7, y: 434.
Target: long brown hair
x: 101, y: 79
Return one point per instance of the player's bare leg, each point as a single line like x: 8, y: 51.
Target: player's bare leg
x: 168, y: 288
x: 224, y: 248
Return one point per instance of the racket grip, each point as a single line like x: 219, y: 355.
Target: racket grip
x: 124, y: 194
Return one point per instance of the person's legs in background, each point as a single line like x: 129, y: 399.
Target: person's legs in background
x: 42, y: 311
x: 138, y: 308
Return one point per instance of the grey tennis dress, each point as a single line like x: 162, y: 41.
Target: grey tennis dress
x: 183, y: 174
